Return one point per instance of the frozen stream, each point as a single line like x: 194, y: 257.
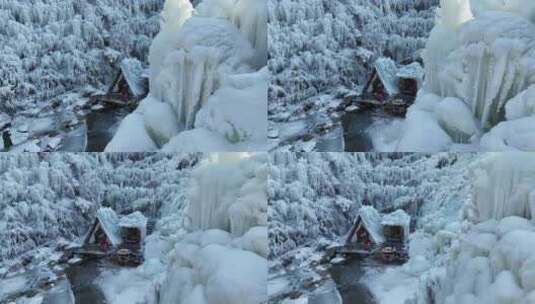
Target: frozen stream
x: 101, y: 126
x: 340, y: 284
x: 355, y: 125
x: 347, y: 277
x: 78, y: 281
x: 82, y: 278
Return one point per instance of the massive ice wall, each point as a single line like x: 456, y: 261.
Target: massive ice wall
x: 206, y: 71
x: 479, y: 63
x: 222, y: 259
x: 223, y: 195
x: 490, y: 258
x: 504, y: 185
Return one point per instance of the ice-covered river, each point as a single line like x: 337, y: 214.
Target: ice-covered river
x: 83, y: 282
x: 340, y: 285
x: 347, y: 277
x: 101, y: 126
x: 355, y: 125
x: 77, y: 283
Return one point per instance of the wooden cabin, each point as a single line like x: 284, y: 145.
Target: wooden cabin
x: 382, y: 83
x: 366, y: 230
x: 129, y: 85
x: 391, y: 87
x: 104, y: 233
x: 410, y: 78
x: 396, y: 226
x: 133, y: 229
x: 120, y: 238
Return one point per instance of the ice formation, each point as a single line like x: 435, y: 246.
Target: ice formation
x: 224, y: 197
x: 223, y: 257
x: 206, y: 71
x: 479, y: 63
x: 491, y: 258
x: 503, y: 185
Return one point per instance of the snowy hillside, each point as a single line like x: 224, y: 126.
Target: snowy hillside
x: 318, y: 194
x: 50, y: 47
x: 207, y: 68
x: 316, y: 45
x: 478, y: 92
x: 48, y: 197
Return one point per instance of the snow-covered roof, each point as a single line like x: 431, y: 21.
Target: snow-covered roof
x: 133, y: 73
x: 387, y: 70
x: 413, y: 70
x: 109, y: 222
x: 398, y: 218
x: 371, y: 220
x: 135, y: 220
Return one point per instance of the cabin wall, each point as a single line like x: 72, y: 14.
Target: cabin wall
x: 363, y: 236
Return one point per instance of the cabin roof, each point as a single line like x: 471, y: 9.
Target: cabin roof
x: 413, y: 71
x: 371, y: 220
x: 398, y: 218
x: 387, y: 70
x: 109, y: 221
x: 132, y: 70
x: 135, y: 220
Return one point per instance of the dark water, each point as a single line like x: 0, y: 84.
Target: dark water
x: 101, y: 126
x: 82, y: 278
x: 346, y: 275
x: 355, y: 125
